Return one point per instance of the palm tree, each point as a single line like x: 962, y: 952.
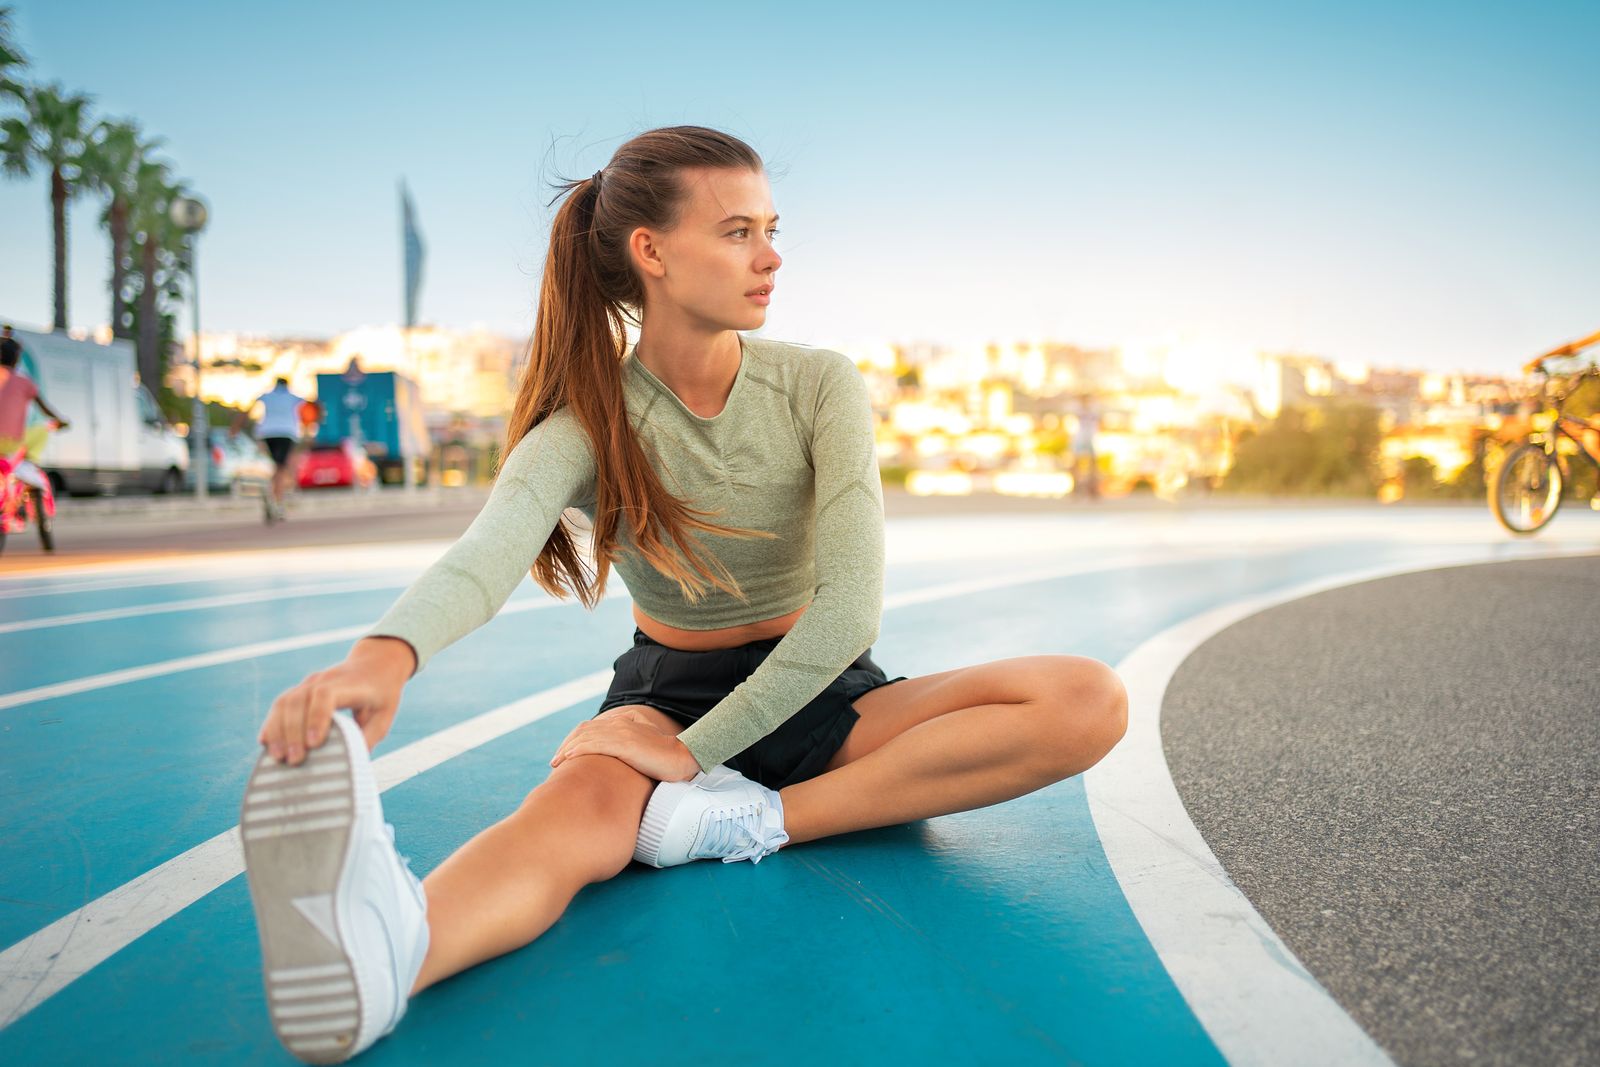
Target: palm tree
x: 161, y: 254
x: 12, y: 61
x: 52, y: 134
x: 111, y: 167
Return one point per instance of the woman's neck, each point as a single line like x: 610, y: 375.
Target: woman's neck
x: 699, y: 370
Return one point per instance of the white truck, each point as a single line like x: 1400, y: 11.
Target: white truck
x: 117, y: 437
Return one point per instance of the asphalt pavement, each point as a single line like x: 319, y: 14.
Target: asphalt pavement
x: 1403, y: 776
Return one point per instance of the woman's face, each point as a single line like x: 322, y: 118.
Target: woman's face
x: 708, y: 265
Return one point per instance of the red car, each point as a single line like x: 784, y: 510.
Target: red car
x: 345, y: 463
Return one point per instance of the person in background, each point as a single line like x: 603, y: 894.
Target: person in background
x: 18, y: 393
x: 279, y: 429
x: 1085, y: 466
x: 37, y: 428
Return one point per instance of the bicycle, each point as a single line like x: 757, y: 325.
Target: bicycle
x: 1527, y: 492
x: 22, y: 504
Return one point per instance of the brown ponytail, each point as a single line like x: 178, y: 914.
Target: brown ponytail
x: 587, y: 296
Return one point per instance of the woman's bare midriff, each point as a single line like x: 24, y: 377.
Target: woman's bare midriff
x: 705, y: 640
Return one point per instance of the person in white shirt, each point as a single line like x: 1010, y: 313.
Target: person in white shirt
x: 278, y: 427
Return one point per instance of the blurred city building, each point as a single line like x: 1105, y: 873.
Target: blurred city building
x: 1014, y: 417
x: 1025, y: 417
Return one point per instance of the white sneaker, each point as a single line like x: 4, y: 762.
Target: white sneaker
x: 342, y: 920
x: 717, y: 814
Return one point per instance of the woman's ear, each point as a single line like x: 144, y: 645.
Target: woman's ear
x: 644, y: 246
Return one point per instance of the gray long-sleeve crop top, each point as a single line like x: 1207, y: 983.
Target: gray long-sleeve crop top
x: 792, y: 452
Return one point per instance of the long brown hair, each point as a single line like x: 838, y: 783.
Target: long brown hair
x: 588, y: 294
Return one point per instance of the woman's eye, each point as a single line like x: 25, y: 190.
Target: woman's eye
x: 742, y: 230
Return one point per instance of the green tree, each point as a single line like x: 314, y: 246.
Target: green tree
x: 111, y: 168
x: 1469, y: 480
x: 1331, y: 450
x: 160, y: 338
x: 12, y: 61
x: 1420, y: 479
x: 158, y: 257
x: 52, y: 134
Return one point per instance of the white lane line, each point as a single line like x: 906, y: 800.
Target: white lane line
x: 185, y: 568
x: 1255, y: 999
x: 225, y: 600
x: 173, y: 666
x: 126, y: 582
x: 229, y: 655
x: 47, y: 961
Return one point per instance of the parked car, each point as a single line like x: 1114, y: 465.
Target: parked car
x: 236, y: 465
x: 340, y: 463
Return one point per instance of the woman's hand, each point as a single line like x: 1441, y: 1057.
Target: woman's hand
x: 368, y: 683
x: 634, y: 740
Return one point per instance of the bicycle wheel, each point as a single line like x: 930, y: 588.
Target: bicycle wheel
x: 46, y: 523
x: 1526, y: 494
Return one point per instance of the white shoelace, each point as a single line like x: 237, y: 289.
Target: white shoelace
x: 728, y: 825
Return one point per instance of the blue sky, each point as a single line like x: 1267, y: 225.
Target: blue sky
x: 1414, y: 185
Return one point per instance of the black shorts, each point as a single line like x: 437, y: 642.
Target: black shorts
x: 686, y: 685
x: 279, y: 448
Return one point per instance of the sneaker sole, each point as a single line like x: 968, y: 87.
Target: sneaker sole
x: 297, y: 828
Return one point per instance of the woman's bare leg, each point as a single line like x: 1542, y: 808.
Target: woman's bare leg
x: 511, y: 882
x: 1068, y: 713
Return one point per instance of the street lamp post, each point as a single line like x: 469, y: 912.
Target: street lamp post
x: 189, y: 215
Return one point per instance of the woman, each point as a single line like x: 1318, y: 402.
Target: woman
x: 745, y: 716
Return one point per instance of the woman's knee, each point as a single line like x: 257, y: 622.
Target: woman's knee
x: 600, y: 800
x: 599, y: 787
x: 1087, y: 713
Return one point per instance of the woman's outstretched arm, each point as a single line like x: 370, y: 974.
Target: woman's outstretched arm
x: 549, y: 470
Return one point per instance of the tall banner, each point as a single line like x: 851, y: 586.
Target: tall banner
x: 413, y: 249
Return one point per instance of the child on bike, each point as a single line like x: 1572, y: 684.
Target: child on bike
x: 17, y: 393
